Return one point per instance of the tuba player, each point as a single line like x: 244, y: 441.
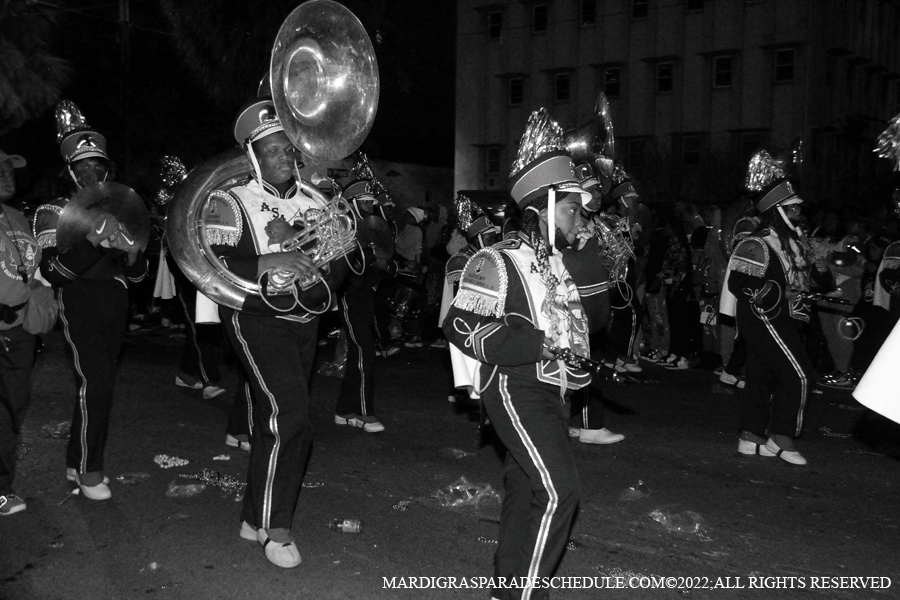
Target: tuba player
x: 276, y: 345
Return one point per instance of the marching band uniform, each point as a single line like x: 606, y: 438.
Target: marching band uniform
x: 515, y: 299
x: 587, y: 422
x: 19, y: 258
x: 878, y: 309
x: 766, y: 272
x: 274, y: 339
x: 356, y: 401
x: 479, y: 233
x: 88, y: 278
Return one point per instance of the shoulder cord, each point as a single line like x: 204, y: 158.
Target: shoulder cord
x: 756, y: 295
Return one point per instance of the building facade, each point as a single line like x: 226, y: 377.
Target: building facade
x: 694, y: 86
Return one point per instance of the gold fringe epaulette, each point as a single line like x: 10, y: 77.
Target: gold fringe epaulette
x: 222, y: 223
x: 747, y: 268
x: 890, y: 263
x: 43, y: 225
x: 46, y: 240
x: 483, y: 286
x: 751, y: 257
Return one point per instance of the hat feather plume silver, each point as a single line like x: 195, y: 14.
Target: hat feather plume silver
x: 68, y: 119
x: 888, y: 145
x: 542, y: 135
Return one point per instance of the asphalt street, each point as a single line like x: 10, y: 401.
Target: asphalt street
x: 671, y: 512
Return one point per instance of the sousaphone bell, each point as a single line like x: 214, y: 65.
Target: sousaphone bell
x: 324, y: 83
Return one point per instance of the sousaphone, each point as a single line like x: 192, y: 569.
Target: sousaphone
x: 324, y: 83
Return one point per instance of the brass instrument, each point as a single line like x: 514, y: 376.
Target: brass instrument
x: 324, y: 83
x: 584, y: 363
x: 329, y: 234
x: 615, y: 242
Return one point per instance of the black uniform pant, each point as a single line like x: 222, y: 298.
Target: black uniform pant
x: 540, y: 480
x: 94, y: 315
x: 198, y: 359
x: 778, y: 375
x: 357, y: 394
x: 277, y: 356
x: 16, y: 363
x: 623, y: 326
x: 587, y: 409
x: 240, y: 419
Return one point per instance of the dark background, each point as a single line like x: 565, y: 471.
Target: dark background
x: 171, y: 78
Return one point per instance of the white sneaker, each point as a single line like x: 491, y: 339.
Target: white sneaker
x: 285, y: 556
x: 574, y: 431
x: 212, y: 391
x: 614, y: 366
x: 791, y: 456
x: 749, y: 448
x: 631, y: 367
x: 248, y: 532
x: 728, y: 379
x: 181, y: 383
x: 599, y: 436
x: 371, y: 426
x: 94, y: 492
x: 72, y: 473
x: 678, y: 364
x: 235, y: 442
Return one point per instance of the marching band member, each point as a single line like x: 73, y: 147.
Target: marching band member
x: 92, y: 275
x: 516, y: 300
x: 276, y: 346
x: 587, y: 422
x: 768, y: 273
x: 19, y: 258
x: 480, y: 233
x: 356, y: 402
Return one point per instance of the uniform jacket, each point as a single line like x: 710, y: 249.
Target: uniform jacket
x: 83, y: 263
x: 502, y: 312
x: 760, y: 276
x: 236, y: 222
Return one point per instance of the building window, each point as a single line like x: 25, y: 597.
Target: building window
x: 636, y: 154
x: 612, y: 82
x: 495, y: 25
x: 693, y: 5
x: 492, y: 161
x: 639, y: 9
x: 516, y: 91
x: 665, y: 77
x: 722, y: 71
x: 784, y: 64
x: 539, y: 18
x: 562, y: 86
x: 588, y: 12
x: 690, y: 146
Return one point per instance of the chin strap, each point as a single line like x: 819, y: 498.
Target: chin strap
x: 551, y: 219
x: 787, y: 221
x: 78, y: 185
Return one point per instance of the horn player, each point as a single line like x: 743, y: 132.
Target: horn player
x: 91, y: 280
x: 276, y: 349
x: 356, y: 401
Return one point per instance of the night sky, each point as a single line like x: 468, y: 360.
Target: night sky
x: 175, y: 87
